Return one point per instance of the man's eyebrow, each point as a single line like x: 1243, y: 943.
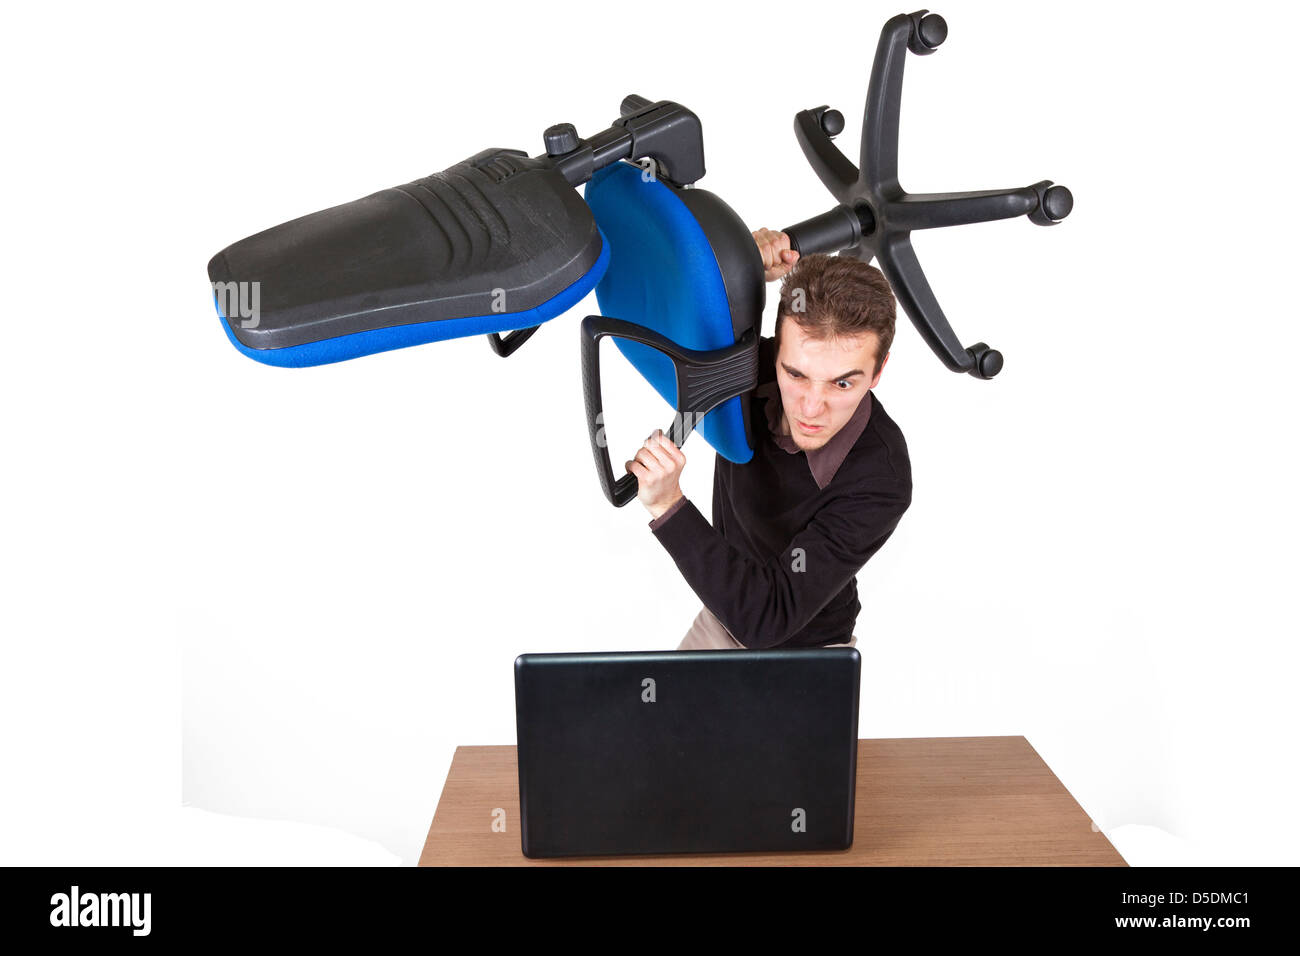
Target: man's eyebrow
x: 856, y: 371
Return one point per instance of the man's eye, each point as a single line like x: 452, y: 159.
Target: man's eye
x: 794, y: 374
x: 846, y: 383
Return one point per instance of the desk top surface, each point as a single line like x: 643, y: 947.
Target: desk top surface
x: 921, y: 801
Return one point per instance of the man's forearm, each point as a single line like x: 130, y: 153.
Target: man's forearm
x: 764, y: 603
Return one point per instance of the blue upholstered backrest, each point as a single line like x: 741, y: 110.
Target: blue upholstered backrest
x: 664, y: 275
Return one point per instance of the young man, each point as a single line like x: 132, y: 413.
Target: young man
x: 829, y: 480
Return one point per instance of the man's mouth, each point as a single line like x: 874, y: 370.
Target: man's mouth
x: 811, y: 429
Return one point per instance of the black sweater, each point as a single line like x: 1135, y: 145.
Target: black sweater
x: 790, y: 532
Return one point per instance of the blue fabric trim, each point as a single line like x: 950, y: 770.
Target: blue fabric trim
x: 357, y: 344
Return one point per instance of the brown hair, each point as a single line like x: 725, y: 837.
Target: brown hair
x: 840, y: 297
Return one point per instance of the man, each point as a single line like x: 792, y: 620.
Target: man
x: 829, y: 480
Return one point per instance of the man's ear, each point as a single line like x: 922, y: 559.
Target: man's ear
x: 875, y: 381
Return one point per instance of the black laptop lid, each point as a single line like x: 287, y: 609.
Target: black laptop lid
x: 687, y: 751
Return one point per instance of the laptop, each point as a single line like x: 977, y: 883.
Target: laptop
x: 687, y: 751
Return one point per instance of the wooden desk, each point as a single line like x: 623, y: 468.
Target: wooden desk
x: 946, y: 801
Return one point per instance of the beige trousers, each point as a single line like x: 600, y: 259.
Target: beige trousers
x: 707, y: 633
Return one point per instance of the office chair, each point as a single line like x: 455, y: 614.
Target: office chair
x: 501, y: 243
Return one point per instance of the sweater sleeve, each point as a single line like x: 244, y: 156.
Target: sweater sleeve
x: 675, y: 507
x: 764, y: 604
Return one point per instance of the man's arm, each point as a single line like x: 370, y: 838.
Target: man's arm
x: 766, y: 604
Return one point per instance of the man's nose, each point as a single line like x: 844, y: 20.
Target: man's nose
x: 811, y: 402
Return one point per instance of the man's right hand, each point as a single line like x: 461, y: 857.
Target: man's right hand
x: 778, y: 257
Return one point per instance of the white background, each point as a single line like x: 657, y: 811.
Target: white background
x: 287, y: 595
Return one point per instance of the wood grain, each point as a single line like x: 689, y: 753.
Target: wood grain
x: 921, y: 801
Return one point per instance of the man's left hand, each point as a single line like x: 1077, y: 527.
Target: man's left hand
x: 657, y: 466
